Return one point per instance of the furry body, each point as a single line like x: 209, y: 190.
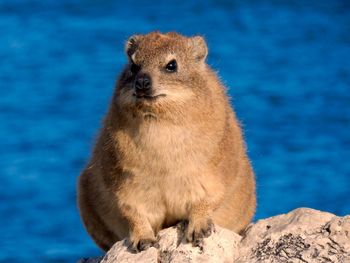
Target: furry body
x: 178, y: 156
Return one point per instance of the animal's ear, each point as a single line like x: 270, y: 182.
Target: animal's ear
x: 199, y: 48
x: 132, y: 44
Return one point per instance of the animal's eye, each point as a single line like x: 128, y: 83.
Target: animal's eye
x: 171, y: 66
x: 135, y: 68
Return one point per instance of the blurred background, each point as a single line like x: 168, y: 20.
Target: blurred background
x: 286, y: 65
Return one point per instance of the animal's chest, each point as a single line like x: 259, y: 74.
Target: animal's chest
x: 174, y: 157
x: 164, y: 149
x: 168, y: 166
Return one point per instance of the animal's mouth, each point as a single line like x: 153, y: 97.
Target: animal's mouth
x: 148, y: 97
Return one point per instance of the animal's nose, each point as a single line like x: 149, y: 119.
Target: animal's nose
x: 143, y: 83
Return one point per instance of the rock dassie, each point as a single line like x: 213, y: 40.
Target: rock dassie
x: 170, y: 150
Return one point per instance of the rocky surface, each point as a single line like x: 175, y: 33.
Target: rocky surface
x: 303, y: 235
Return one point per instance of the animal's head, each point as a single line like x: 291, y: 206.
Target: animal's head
x: 165, y: 71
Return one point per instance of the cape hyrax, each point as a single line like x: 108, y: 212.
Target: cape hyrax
x: 170, y: 149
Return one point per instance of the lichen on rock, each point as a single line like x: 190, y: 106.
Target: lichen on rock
x: 303, y: 235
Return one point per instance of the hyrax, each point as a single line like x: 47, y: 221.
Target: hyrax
x: 170, y: 150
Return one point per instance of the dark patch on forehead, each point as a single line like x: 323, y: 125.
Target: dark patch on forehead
x: 155, y: 44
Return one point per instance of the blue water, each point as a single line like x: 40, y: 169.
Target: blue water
x: 287, y: 66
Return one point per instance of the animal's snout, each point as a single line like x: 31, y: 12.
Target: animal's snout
x: 143, y: 85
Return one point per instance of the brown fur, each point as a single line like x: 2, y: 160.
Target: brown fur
x: 178, y: 157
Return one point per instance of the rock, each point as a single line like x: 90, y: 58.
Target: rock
x: 303, y: 235
x: 219, y: 247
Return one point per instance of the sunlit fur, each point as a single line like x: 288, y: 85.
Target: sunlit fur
x: 178, y: 157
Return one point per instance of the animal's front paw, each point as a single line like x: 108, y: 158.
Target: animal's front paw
x: 199, y: 229
x: 147, y: 243
x: 142, y: 244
